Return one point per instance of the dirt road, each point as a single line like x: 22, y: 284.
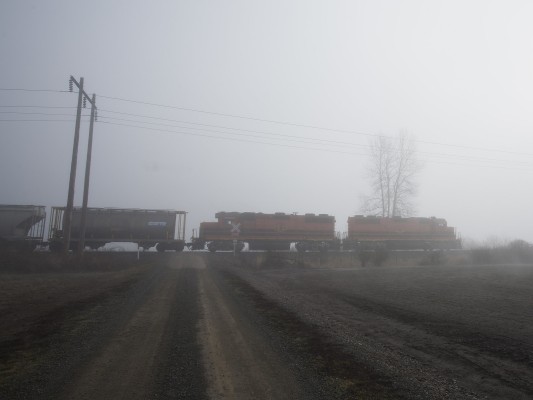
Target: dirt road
x: 200, y: 326
x: 134, y: 339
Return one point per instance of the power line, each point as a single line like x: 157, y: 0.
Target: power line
x: 227, y: 127
x: 37, y: 113
x: 300, y: 139
x: 37, y: 120
x: 298, y: 147
x: 229, y: 138
x: 305, y: 125
x: 272, y: 121
x: 432, y: 161
x: 46, y: 107
x: 33, y: 90
x: 290, y: 138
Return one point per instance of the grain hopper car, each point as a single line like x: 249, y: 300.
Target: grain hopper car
x: 164, y: 229
x: 21, y: 226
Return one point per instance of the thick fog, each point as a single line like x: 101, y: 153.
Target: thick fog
x: 270, y: 106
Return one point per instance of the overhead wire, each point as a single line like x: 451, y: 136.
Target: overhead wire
x: 227, y: 138
x: 289, y: 138
x: 301, y: 139
x: 303, y: 125
x: 268, y: 120
x: 35, y: 113
x: 283, y: 137
x: 278, y: 136
x: 292, y: 138
x: 232, y: 128
x: 304, y: 147
x: 332, y: 142
x: 37, y: 120
x: 46, y: 107
x: 34, y: 90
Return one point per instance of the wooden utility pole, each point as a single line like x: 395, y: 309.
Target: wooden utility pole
x: 81, y: 246
x: 67, y: 219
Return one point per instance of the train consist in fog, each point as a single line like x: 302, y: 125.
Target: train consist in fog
x: 23, y: 226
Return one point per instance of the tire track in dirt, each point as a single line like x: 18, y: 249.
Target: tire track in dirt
x: 180, y: 372
x: 122, y: 370
x: 150, y: 355
x: 74, y: 332
x: 240, y: 363
x: 321, y: 369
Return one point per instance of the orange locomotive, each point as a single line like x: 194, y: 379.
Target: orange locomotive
x: 267, y: 232
x: 400, y: 233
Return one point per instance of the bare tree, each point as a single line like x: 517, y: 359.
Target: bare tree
x: 391, y: 173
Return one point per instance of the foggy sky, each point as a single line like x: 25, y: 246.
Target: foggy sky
x: 458, y: 75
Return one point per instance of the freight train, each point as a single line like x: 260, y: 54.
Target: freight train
x: 165, y: 229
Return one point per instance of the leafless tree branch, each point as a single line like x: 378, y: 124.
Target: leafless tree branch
x: 392, y: 174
